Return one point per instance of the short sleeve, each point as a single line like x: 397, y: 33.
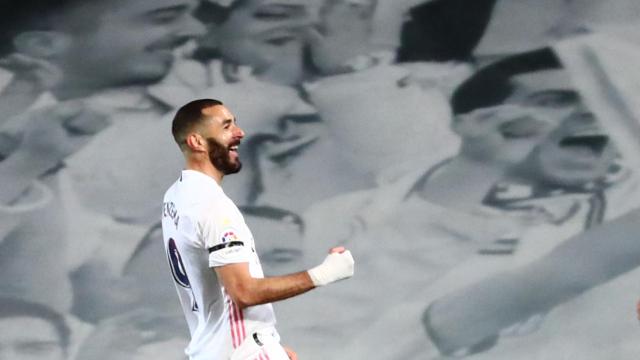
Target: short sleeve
x: 225, y: 239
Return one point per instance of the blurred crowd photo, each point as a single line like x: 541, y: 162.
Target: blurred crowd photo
x: 480, y: 159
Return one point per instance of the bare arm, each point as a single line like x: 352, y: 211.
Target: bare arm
x: 249, y: 291
x: 246, y: 290
x: 48, y: 136
x: 474, y: 314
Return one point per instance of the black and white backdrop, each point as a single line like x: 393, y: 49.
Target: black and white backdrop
x: 480, y: 159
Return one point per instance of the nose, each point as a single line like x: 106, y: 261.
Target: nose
x: 301, y: 20
x: 585, y: 117
x: 238, y: 132
x: 298, y: 16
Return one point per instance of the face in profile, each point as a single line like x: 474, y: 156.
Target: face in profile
x: 263, y: 34
x: 224, y: 157
x: 27, y: 338
x: 223, y: 136
x: 575, y: 149
x: 542, y: 132
x: 576, y: 153
x: 125, y: 42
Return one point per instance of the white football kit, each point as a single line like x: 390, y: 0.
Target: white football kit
x: 203, y: 229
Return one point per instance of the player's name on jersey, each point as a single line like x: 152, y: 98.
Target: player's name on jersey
x: 169, y: 209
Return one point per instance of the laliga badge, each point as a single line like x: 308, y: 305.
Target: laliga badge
x: 229, y: 235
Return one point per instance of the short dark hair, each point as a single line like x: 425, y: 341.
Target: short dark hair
x: 188, y: 116
x: 491, y: 85
x: 211, y: 13
x: 12, y: 307
x: 29, y: 15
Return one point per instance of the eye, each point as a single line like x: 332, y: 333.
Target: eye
x: 554, y: 99
x: 166, y: 16
x: 275, y: 13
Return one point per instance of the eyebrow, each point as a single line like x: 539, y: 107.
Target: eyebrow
x: 229, y: 121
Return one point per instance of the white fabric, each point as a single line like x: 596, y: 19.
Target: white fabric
x: 336, y: 266
x: 199, y: 218
x: 401, y: 244
x: 604, y: 68
x: 522, y: 25
x: 383, y: 122
x: 268, y: 349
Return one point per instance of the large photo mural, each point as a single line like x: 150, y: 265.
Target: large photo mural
x: 479, y: 158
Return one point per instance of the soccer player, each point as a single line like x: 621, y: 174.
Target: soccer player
x: 223, y: 292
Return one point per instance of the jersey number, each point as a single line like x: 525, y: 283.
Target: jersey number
x: 179, y: 272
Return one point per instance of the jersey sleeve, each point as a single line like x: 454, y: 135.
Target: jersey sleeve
x: 224, y: 239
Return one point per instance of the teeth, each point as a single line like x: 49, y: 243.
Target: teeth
x: 233, y: 147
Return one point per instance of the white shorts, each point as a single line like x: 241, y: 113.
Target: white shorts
x: 261, y: 345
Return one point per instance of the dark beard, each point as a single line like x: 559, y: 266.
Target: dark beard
x: 219, y: 157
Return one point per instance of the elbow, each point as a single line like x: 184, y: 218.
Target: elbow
x: 242, y: 296
x: 242, y: 302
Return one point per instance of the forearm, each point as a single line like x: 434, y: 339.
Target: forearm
x: 474, y: 314
x: 271, y: 289
x: 246, y: 290
x: 587, y: 260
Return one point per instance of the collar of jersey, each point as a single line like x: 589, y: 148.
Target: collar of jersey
x: 194, y: 174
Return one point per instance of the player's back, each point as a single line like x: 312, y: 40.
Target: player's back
x: 201, y: 296
x: 203, y: 229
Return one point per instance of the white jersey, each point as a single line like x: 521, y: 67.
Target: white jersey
x: 202, y: 229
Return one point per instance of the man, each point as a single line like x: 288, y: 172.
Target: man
x: 59, y: 38
x: 228, y: 309
x: 32, y: 331
x: 264, y: 35
x: 106, y: 54
x: 593, y: 270
x: 476, y: 210
x: 136, y: 40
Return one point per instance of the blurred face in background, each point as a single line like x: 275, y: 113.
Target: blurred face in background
x: 123, y: 42
x: 265, y: 35
x: 26, y: 338
x: 575, y: 150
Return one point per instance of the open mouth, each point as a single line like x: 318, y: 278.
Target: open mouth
x: 234, y: 149
x: 280, y: 40
x: 593, y: 143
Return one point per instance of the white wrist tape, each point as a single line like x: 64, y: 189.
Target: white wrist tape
x: 336, y: 266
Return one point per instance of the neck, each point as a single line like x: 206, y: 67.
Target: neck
x: 206, y: 168
x: 462, y: 183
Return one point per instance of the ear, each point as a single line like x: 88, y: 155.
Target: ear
x: 41, y: 44
x: 196, y: 142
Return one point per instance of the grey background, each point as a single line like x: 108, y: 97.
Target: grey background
x: 484, y: 224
